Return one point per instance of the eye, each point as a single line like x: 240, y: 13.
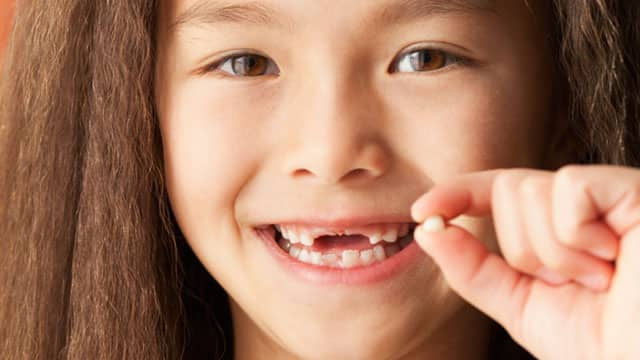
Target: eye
x: 424, y: 60
x: 244, y: 65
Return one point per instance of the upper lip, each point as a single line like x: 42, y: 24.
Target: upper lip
x: 341, y: 222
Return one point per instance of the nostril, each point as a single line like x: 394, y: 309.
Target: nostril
x: 351, y: 175
x: 302, y: 172
x: 355, y: 173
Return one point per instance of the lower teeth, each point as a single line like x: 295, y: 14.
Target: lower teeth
x: 347, y: 258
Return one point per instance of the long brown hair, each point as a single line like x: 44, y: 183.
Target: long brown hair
x: 92, y: 264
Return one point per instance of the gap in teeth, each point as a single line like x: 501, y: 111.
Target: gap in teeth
x: 347, y: 258
x: 384, y: 233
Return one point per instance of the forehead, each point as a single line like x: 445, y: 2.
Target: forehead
x: 189, y: 14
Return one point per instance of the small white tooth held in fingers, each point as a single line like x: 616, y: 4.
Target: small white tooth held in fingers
x: 432, y: 224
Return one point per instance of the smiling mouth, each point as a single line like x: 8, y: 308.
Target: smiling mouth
x: 344, y: 248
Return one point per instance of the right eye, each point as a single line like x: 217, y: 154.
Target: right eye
x: 245, y: 65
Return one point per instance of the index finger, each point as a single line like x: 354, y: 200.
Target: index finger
x: 468, y: 194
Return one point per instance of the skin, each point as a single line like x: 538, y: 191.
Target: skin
x: 575, y: 223
x: 335, y: 129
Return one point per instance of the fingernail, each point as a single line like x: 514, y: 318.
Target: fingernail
x: 415, y: 213
x: 551, y: 277
x: 596, y: 282
x: 433, y: 224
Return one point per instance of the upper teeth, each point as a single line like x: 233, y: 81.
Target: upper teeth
x: 306, y: 235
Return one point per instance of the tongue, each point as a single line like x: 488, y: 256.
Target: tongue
x: 339, y: 243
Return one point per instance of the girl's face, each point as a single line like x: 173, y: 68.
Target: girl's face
x: 332, y: 117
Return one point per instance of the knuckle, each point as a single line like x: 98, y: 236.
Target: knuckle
x: 566, y: 239
x: 532, y: 187
x: 557, y: 261
x: 570, y: 179
x: 569, y: 173
x: 570, y: 188
x: 507, y: 182
x: 521, y: 259
x: 567, y: 235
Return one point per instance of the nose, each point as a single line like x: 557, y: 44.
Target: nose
x: 335, y: 132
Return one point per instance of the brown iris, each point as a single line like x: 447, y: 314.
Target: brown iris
x: 249, y: 65
x: 425, y: 60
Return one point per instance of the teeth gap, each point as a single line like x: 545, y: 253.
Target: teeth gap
x: 412, y: 227
x: 389, y: 249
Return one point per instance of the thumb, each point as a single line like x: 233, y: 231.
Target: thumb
x: 480, y: 277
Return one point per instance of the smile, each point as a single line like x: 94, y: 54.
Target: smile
x: 352, y: 253
x: 343, y: 248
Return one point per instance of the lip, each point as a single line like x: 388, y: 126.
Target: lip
x: 341, y: 222
x: 322, y: 275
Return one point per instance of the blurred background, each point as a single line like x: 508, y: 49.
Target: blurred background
x: 6, y: 12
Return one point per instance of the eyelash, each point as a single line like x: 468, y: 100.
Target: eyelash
x: 402, y: 60
x: 448, y: 58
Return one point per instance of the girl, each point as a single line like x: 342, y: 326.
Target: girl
x: 233, y: 179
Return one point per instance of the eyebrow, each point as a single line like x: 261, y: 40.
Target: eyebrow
x: 404, y: 11
x: 213, y: 12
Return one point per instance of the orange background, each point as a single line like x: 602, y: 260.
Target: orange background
x: 6, y: 11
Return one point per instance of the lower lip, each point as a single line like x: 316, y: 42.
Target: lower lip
x: 362, y: 275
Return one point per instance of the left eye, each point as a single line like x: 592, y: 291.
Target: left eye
x: 424, y: 60
x: 247, y: 65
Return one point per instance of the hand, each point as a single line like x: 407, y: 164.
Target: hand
x: 567, y: 285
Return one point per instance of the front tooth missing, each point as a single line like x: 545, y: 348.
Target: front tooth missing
x: 390, y: 236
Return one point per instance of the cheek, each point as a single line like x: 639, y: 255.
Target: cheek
x: 471, y: 125
x: 211, y: 147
